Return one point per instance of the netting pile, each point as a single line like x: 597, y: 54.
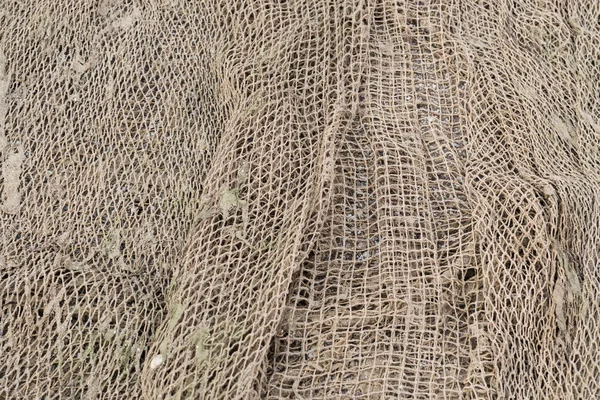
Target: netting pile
x: 271, y: 199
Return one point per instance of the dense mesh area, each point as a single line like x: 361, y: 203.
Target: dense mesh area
x: 291, y: 199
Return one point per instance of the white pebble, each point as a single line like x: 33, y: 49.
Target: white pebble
x: 156, y: 361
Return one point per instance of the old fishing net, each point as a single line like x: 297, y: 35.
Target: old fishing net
x: 271, y: 199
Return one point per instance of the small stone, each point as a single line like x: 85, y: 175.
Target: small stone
x: 157, y: 360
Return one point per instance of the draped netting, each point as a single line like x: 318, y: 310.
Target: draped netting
x: 271, y: 199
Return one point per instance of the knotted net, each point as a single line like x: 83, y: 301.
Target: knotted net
x: 271, y: 199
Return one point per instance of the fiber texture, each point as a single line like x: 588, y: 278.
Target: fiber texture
x: 325, y: 199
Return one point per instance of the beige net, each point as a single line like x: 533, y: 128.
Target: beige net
x: 271, y: 199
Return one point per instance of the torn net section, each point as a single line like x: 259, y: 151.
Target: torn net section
x: 303, y: 200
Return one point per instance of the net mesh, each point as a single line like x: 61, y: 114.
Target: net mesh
x: 329, y: 199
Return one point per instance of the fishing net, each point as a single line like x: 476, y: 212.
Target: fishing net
x: 271, y: 199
